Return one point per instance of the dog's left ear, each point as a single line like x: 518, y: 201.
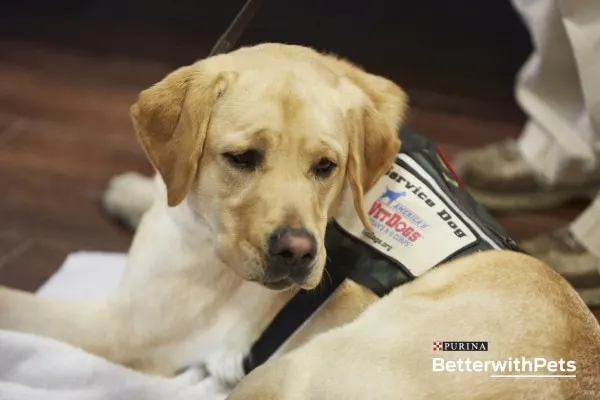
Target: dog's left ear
x: 171, y: 119
x: 373, y: 129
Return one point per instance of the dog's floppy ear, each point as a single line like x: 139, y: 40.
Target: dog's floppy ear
x: 171, y: 119
x: 373, y: 129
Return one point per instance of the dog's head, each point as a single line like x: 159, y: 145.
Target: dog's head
x: 261, y: 142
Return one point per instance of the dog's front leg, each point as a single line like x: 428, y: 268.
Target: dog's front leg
x: 209, y: 388
x: 94, y: 326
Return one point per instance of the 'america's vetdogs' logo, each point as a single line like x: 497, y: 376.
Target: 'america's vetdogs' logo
x: 394, y: 219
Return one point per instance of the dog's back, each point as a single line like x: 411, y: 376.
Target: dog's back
x: 521, y: 308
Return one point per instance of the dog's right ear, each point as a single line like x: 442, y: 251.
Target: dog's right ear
x: 171, y: 119
x: 373, y: 129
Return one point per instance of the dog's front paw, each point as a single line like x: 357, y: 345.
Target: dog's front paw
x: 127, y: 197
x: 208, y: 389
x: 226, y: 367
x: 192, y: 375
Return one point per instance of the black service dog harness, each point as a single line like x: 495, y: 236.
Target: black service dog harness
x: 421, y: 216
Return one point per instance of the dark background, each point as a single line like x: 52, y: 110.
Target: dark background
x: 467, y: 47
x: 69, y: 71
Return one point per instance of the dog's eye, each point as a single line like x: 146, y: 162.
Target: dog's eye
x: 324, y: 168
x: 247, y: 160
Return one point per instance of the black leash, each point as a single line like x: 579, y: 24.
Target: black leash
x: 297, y: 311
x: 236, y: 28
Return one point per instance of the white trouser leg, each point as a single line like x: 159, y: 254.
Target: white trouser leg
x: 559, y: 88
x: 549, y: 158
x: 586, y: 228
x: 552, y: 88
x: 582, y: 24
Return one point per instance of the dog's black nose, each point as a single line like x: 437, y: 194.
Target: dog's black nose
x: 291, y: 252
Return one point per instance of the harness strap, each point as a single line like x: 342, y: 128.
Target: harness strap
x: 448, y: 165
x: 294, y: 314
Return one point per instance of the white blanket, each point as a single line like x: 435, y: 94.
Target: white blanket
x: 37, y: 368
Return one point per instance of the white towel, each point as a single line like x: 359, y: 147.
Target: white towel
x: 85, y: 275
x: 37, y: 368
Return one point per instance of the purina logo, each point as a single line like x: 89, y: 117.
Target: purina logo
x: 459, y: 346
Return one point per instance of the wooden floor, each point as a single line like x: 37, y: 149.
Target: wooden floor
x: 64, y: 131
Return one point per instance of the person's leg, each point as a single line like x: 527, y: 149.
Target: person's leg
x: 559, y: 140
x: 574, y: 252
x: 586, y: 228
x: 554, y: 159
x: 582, y: 22
x: 572, y: 144
x: 586, y: 231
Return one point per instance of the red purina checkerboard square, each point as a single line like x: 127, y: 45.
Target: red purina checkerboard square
x: 437, y: 346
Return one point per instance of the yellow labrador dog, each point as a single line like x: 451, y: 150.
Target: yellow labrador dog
x: 254, y: 151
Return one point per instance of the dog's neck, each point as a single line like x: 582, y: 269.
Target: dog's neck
x: 196, y: 299
x: 172, y: 243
